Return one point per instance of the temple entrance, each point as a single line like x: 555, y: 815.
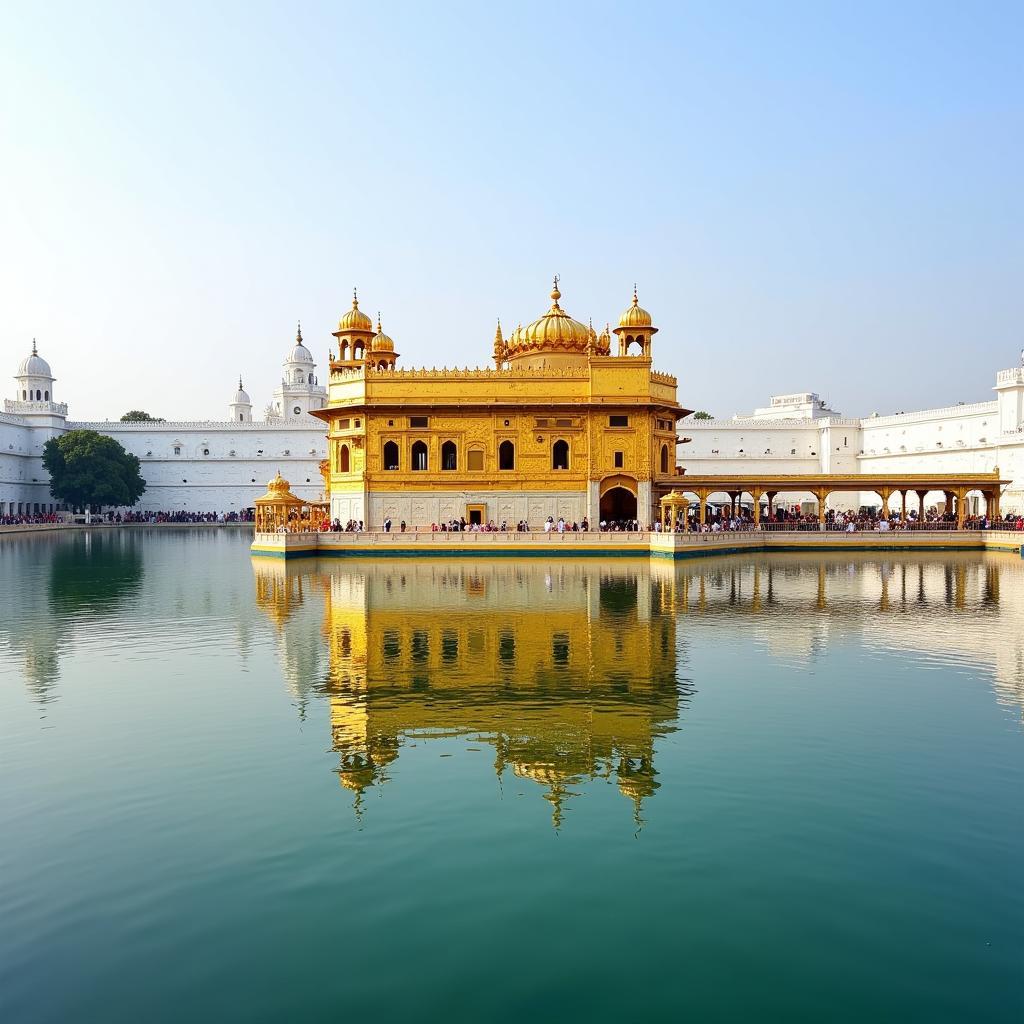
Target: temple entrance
x: 618, y: 504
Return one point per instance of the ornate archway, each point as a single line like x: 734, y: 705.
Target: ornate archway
x: 618, y: 498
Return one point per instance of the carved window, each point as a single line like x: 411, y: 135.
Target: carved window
x: 390, y: 455
x: 419, y: 456
x: 506, y: 455
x: 419, y: 422
x: 344, y: 459
x: 449, y: 456
x: 664, y: 458
x: 618, y: 421
x: 618, y: 460
x: 560, y: 455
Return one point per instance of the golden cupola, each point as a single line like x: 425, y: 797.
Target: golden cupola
x: 381, y: 351
x: 635, y: 329
x: 354, y: 334
x: 554, y: 339
x: 354, y: 319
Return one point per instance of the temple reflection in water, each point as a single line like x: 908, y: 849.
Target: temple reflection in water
x: 568, y: 673
x: 572, y: 673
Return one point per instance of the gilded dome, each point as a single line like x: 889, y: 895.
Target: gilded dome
x: 380, y: 342
x: 278, y: 485
x: 554, y: 331
x: 355, y: 319
x: 635, y: 315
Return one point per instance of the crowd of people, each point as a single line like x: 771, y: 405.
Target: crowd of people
x: 30, y: 520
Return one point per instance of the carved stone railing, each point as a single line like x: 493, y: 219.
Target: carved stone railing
x: 20, y: 408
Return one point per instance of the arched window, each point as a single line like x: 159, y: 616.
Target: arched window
x: 506, y: 455
x: 309, y: 379
x: 449, y: 456
x: 344, y: 460
x: 419, y: 456
x: 46, y: 396
x: 664, y: 458
x: 390, y: 455
x: 39, y: 395
x: 343, y: 350
x: 560, y: 455
x: 357, y: 350
x: 24, y: 395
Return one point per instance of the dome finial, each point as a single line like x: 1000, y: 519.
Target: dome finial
x: 380, y: 330
x: 240, y: 388
x: 636, y: 301
x: 355, y: 299
x: 555, y: 293
x: 34, y: 352
x: 298, y: 334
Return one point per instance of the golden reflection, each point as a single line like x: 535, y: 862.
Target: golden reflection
x: 569, y: 673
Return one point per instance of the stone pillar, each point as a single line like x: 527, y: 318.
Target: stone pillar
x: 594, y: 503
x: 644, y: 509
x: 921, y: 495
x: 702, y: 498
x: 755, y: 494
x: 903, y: 505
x: 961, y: 508
x: 884, y: 493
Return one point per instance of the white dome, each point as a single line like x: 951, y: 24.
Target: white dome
x: 34, y: 365
x: 241, y: 396
x: 299, y: 354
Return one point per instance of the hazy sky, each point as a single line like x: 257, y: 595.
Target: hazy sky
x: 810, y: 196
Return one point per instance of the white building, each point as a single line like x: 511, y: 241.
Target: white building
x: 206, y: 466
x: 797, y: 433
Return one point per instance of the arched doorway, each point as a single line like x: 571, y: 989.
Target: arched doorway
x: 618, y: 504
x: 618, y: 499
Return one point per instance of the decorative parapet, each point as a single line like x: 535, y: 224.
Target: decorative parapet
x: 773, y: 423
x: 14, y: 420
x: 974, y: 409
x: 477, y: 373
x: 1007, y: 378
x: 106, y: 426
x: 20, y: 408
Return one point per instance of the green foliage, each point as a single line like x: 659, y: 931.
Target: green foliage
x: 138, y: 416
x: 702, y: 415
x: 87, y: 468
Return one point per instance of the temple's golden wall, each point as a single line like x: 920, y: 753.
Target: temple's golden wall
x: 596, y: 449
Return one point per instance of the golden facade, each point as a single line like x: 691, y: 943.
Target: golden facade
x: 560, y: 427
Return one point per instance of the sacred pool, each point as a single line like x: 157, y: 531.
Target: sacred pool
x: 754, y: 787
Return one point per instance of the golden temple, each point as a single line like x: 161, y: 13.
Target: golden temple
x: 560, y: 427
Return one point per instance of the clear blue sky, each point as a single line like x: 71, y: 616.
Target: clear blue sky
x: 810, y: 196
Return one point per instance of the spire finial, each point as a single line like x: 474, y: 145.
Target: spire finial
x: 555, y: 293
x: 355, y: 299
x: 380, y: 330
x: 298, y: 334
x: 240, y: 388
x: 636, y: 301
x: 34, y: 352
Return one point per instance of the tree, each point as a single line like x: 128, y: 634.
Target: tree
x: 702, y: 415
x: 138, y: 416
x: 87, y: 468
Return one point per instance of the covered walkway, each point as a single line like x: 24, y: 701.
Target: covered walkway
x: 766, y: 487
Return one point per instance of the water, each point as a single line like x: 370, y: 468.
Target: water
x: 786, y: 789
